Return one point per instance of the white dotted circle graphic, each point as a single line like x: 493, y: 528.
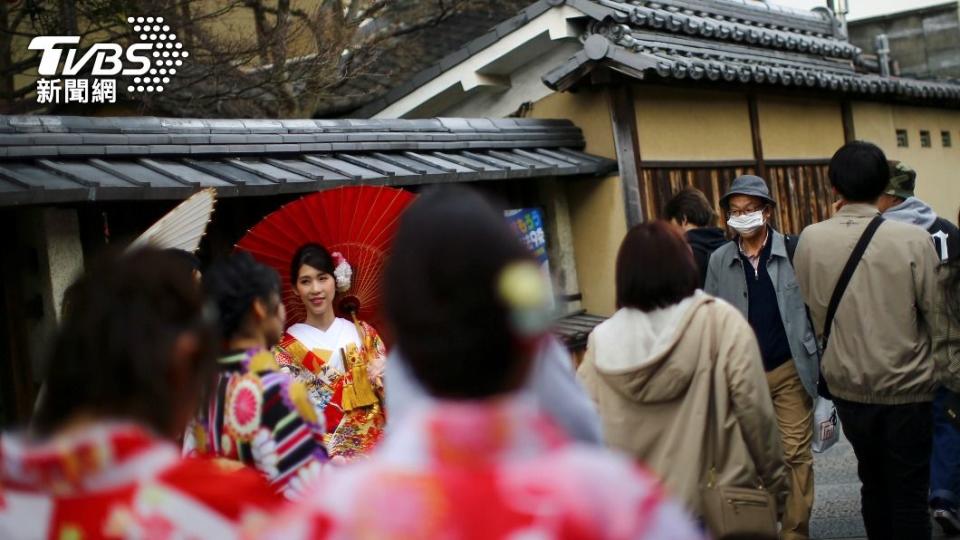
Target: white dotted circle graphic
x: 165, y: 46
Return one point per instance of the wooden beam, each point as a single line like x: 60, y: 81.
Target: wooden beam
x: 849, y: 131
x: 624, y: 116
x: 755, y: 134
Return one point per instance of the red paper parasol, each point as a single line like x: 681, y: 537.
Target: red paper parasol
x: 357, y: 221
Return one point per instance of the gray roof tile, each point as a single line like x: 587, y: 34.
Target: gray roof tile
x: 81, y: 159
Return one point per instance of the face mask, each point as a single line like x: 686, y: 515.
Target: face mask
x: 746, y: 224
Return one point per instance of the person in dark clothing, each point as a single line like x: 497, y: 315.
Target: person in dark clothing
x: 898, y: 203
x: 690, y: 210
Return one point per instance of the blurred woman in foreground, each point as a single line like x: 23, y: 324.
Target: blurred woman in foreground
x: 478, y: 460
x: 126, y: 372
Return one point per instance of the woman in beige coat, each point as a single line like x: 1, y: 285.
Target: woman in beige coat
x: 677, y: 375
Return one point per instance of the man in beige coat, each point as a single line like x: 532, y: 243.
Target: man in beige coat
x: 877, y: 362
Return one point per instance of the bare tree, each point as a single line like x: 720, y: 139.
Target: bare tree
x: 279, y: 60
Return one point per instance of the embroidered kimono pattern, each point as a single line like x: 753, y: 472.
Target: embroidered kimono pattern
x: 261, y: 417
x: 337, y: 367
x: 119, y: 481
x: 485, y: 471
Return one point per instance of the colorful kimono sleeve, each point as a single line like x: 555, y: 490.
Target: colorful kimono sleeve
x: 269, y: 422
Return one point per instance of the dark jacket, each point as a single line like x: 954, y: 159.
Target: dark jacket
x: 946, y: 237
x: 704, y: 241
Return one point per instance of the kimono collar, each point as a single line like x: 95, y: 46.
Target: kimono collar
x: 102, y: 456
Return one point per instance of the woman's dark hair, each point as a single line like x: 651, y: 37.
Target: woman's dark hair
x: 442, y: 299
x: 112, y: 354
x: 187, y: 259
x: 314, y: 255
x: 233, y: 284
x: 692, y: 206
x: 655, y: 267
x: 859, y: 171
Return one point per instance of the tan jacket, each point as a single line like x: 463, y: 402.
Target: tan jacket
x: 879, y: 348
x: 654, y: 376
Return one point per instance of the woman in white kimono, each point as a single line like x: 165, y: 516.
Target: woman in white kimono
x: 340, y: 361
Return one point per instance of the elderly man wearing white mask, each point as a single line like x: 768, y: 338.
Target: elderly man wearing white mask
x: 754, y: 272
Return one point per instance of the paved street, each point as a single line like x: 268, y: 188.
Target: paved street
x: 836, y: 513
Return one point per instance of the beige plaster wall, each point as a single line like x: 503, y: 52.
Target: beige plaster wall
x: 589, y: 110
x: 796, y: 128
x: 686, y: 124
x: 599, y: 225
x: 938, y: 168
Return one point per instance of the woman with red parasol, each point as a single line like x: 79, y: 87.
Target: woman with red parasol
x: 340, y: 361
x: 333, y: 244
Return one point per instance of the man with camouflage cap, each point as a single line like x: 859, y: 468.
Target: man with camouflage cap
x: 898, y: 203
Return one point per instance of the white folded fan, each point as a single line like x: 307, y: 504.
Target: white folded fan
x: 183, y: 227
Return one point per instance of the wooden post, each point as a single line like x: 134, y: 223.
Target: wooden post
x: 846, y: 111
x: 755, y: 134
x: 623, y: 114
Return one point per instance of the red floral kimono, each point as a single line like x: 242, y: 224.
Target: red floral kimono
x: 484, y: 471
x: 342, y: 368
x: 120, y: 481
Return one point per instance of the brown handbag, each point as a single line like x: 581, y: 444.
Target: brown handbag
x: 729, y: 510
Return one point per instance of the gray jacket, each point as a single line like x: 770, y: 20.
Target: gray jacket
x: 727, y: 280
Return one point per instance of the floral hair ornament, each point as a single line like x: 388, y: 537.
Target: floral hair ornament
x: 342, y: 272
x: 522, y: 286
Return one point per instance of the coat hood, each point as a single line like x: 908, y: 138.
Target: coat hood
x: 706, y: 238
x: 912, y: 211
x: 632, y: 350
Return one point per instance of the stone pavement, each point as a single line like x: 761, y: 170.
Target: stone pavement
x: 836, y: 511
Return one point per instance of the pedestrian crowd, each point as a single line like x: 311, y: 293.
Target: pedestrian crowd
x: 178, y: 405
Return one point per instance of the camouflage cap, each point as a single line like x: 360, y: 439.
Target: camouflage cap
x: 903, y: 181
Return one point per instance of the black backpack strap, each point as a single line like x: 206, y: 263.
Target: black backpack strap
x: 790, y: 241
x: 847, y: 273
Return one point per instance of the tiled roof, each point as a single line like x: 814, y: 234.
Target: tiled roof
x: 724, y: 40
x: 50, y: 159
x: 742, y: 41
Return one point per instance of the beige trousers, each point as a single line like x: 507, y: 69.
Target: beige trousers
x: 794, y: 410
